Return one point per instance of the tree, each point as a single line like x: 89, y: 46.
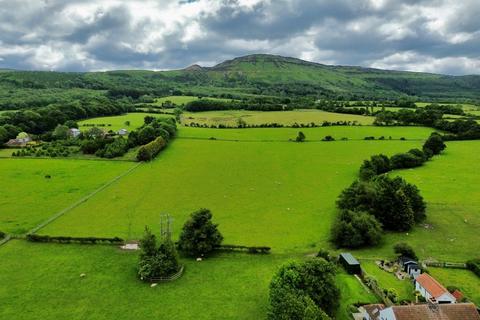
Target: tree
x: 127, y: 123
x: 300, y: 137
x: 356, y: 229
x: 60, y: 132
x: 297, y: 284
x: 405, y: 250
x: 156, y: 262
x: 434, y: 144
x: 71, y: 124
x: 200, y: 235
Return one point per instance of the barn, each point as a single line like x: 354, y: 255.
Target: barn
x: 351, y: 265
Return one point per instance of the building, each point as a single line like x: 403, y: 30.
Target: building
x: 410, y: 266
x: 21, y: 140
x: 427, y: 311
x: 432, y: 290
x: 351, y: 265
x: 74, y: 132
x: 122, y: 132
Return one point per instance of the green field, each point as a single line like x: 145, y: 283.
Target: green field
x: 352, y: 292
x: 179, y: 100
x: 404, y: 288
x: 116, y: 123
x: 287, y: 118
x: 449, y: 185
x: 29, y: 198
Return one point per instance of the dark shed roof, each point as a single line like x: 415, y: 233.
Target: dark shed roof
x: 349, y: 258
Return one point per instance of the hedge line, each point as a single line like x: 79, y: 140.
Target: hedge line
x: 150, y: 150
x: 232, y: 247
x: 66, y: 239
x: 474, y: 266
x: 2, y: 235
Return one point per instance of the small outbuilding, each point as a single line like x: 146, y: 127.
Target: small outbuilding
x: 410, y: 266
x: 74, y: 132
x: 122, y: 132
x: 351, y: 265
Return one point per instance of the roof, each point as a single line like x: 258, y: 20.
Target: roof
x: 431, y: 285
x: 349, y: 258
x: 458, y: 295
x: 373, y: 310
x: 406, y: 260
x: 449, y: 311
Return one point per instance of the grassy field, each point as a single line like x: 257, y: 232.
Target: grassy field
x: 312, y: 134
x: 352, y: 292
x: 29, y: 198
x: 179, y: 100
x: 231, y: 117
x: 260, y: 193
x: 449, y: 185
x: 465, y: 280
x: 116, y: 123
x: 404, y: 288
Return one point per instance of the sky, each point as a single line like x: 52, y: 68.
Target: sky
x: 441, y: 36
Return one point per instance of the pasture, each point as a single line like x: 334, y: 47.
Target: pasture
x: 278, y: 194
x: 116, y: 123
x: 465, y: 280
x: 30, y: 197
x: 287, y: 118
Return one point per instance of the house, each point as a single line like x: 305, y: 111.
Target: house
x: 122, y: 132
x: 426, y: 311
x: 410, y: 266
x: 351, y: 265
x: 432, y: 290
x: 73, y: 132
x: 20, y: 141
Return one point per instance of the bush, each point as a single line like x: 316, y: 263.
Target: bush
x: 356, y: 229
x: 200, y: 235
x: 405, y: 250
x: 115, y: 149
x: 151, y: 150
x: 406, y: 160
x: 474, y: 266
x: 377, y: 164
x: 67, y: 239
x: 434, y: 144
x: 253, y: 250
x: 300, y: 137
x: 328, y: 138
x: 2, y: 235
x: 157, y: 262
x: 302, y: 286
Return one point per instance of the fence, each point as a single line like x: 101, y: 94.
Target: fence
x: 371, y: 283
x: 167, y: 279
x: 440, y: 264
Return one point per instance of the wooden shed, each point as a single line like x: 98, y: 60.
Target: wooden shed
x: 351, y: 265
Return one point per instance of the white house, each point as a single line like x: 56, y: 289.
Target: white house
x: 457, y: 311
x: 74, y: 132
x: 122, y: 132
x: 432, y: 290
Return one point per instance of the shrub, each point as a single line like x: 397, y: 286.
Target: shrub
x: 434, y: 144
x: 200, y: 235
x: 66, y: 239
x: 302, y: 286
x: 356, y: 229
x: 2, y: 235
x: 405, y: 250
x: 151, y: 150
x: 474, y: 266
x: 300, y: 137
x: 328, y: 138
x: 406, y: 160
x: 115, y: 149
x: 156, y: 262
x: 377, y: 164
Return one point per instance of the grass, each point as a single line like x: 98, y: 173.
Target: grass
x: 278, y: 194
x: 386, y: 280
x: 48, y: 285
x: 230, y: 118
x: 116, y: 123
x: 352, y: 292
x: 465, y: 280
x: 29, y: 198
x: 448, y: 184
x: 312, y: 134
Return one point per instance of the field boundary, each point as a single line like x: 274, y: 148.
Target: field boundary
x: 5, y: 240
x: 292, y: 140
x: 82, y: 200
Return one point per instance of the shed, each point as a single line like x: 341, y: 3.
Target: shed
x: 351, y: 265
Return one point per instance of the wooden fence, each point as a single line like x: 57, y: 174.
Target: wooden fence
x: 443, y: 264
x: 170, y: 278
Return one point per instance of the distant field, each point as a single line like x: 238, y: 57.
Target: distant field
x: 116, y: 123
x: 312, y: 134
x: 29, y: 198
x: 466, y: 280
x: 449, y: 185
x: 465, y: 106
x: 179, y: 100
x: 259, y: 117
x: 260, y: 193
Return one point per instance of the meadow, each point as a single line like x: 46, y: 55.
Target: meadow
x: 29, y: 197
x: 465, y: 280
x: 259, y: 192
x: 116, y: 123
x: 287, y: 118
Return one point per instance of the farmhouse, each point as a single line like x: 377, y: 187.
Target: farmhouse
x: 458, y: 311
x: 432, y: 290
x: 20, y: 141
x: 73, y: 132
x: 122, y: 132
x: 351, y: 265
x: 410, y: 266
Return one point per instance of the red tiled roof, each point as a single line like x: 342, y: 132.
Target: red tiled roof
x: 431, y: 285
x: 449, y: 311
x: 458, y: 295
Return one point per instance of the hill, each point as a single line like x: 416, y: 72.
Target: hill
x: 260, y: 74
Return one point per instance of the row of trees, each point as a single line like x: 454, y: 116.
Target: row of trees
x: 210, y: 105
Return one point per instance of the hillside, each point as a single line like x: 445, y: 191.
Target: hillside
x: 260, y: 74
